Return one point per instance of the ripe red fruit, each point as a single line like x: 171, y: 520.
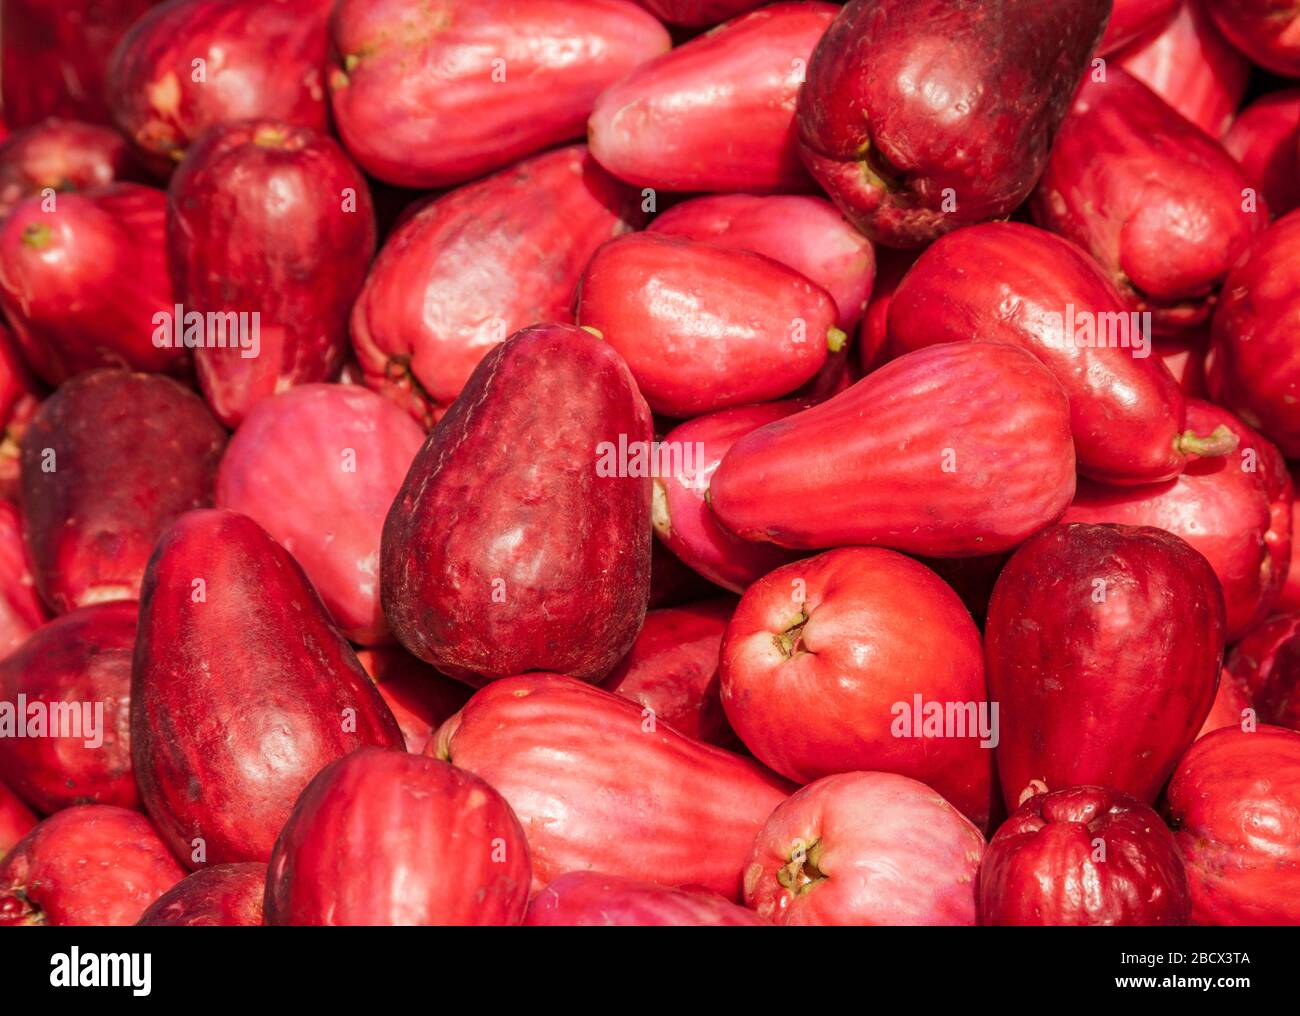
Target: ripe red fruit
x: 1231, y: 707
x: 16, y: 819
x: 1265, y: 139
x: 1103, y: 646
x: 60, y: 155
x: 224, y: 895
x: 1265, y: 666
x: 698, y: 13
x: 94, y: 864
x: 920, y: 116
x: 1234, y: 804
x: 956, y: 450
x: 471, y: 268
x: 891, y: 268
x: 390, y: 838
x: 242, y: 689
x: 865, y: 848
x: 547, y: 563
x: 21, y: 610
x: 1267, y: 31
x: 431, y: 94
x: 590, y: 899
x: 601, y: 785
x: 1083, y: 856
x: 421, y: 699
x: 1132, y: 19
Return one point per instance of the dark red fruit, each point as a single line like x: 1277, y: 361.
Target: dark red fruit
x: 1265, y: 666
x: 224, y: 895
x: 1267, y: 31
x: 60, y: 155
x: 588, y: 899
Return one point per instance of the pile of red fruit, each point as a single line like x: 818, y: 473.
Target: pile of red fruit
x: 850, y: 488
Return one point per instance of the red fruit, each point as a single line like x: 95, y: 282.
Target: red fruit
x: 317, y: 467
x: 865, y: 849
x: 60, y: 155
x: 476, y: 265
x: 892, y: 267
x: 390, y: 838
x: 1253, y: 368
x: 518, y: 541
x: 703, y: 327
x: 697, y: 13
x: 1158, y: 203
x: 67, y: 690
x: 86, y: 284
x: 260, y: 59
x: 1265, y: 139
x: 716, y: 113
x: 16, y: 820
x: 920, y: 116
x: 601, y: 785
x: 20, y: 395
x: 1184, y: 353
x: 1231, y: 707
x: 21, y: 610
x: 270, y: 232
x: 803, y: 233
x: 108, y: 462
x: 420, y: 698
x: 224, y: 895
x: 589, y: 899
x: 95, y: 864
x: 1103, y: 646
x: 878, y: 642
x: 957, y: 450
x: 428, y: 94
x: 1267, y: 31
x: 683, y: 519
x: 242, y: 689
x: 672, y: 669
x: 1083, y: 856
x: 1265, y: 666
x: 1234, y: 804
x: 1132, y: 19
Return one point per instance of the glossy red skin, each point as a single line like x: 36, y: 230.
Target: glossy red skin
x: 1106, y: 693
x: 82, y: 285
x: 874, y: 630
x: 21, y: 610
x: 82, y: 658
x: 599, y: 785
x: 874, y: 466
x: 389, y: 838
x: 92, y: 520
x: 55, y: 56
x: 1192, y: 67
x: 317, y: 467
x: 1265, y: 139
x: 1184, y: 353
x: 805, y: 233
x: 476, y: 265
x: 886, y: 850
x: 872, y: 348
x: 590, y: 899
x: 1267, y: 31
x: 697, y: 13
x: 1132, y: 19
x: 234, y: 710
x: 1253, y: 368
x: 1234, y: 804
x: 257, y: 223
x: 672, y: 669
x: 222, y: 896
x: 61, y: 155
x: 1156, y: 201
x: 1011, y: 283
x: 265, y: 59
x: 1265, y: 666
x: 911, y: 103
x: 716, y: 113
x: 419, y: 101
x: 1084, y: 856
x: 16, y: 819
x: 420, y: 698
x: 95, y: 864
x: 705, y: 327
x: 1232, y: 706
x: 683, y: 520
x: 495, y: 563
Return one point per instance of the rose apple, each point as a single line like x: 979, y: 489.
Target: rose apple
x: 1231, y: 707
x: 589, y: 899
x: 697, y: 13
x: 224, y: 895
x: 16, y: 820
x: 60, y: 155
x: 1132, y: 19
x: 1267, y: 31
x: 421, y: 699
x: 1265, y: 665
x: 21, y: 610
x: 1265, y: 139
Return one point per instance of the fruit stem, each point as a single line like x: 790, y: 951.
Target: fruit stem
x: 804, y: 870
x: 835, y: 339
x: 1220, y: 441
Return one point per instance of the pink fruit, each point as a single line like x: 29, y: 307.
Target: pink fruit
x: 60, y: 155
x: 589, y: 899
x: 224, y: 895
x: 421, y: 699
x: 1265, y: 139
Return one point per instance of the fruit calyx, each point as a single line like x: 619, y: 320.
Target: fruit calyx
x: 788, y: 640
x: 804, y: 870
x: 1220, y: 441
x: 37, y: 235
x: 835, y: 339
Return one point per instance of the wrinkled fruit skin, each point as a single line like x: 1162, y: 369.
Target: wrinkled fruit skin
x: 908, y: 159
x: 497, y: 561
x: 988, y: 463
x: 427, y: 94
x: 1011, y: 283
x: 1133, y: 19
x: 1082, y: 857
x: 1265, y: 139
x: 95, y: 864
x: 16, y: 819
x: 82, y: 659
x: 1265, y: 666
x: 427, y: 314
x: 1103, y: 646
x: 1234, y: 804
x: 590, y: 899
x: 109, y: 461
x: 242, y: 689
x: 62, y: 155
x: 420, y: 698
x: 1156, y: 201
x: 21, y: 610
x: 389, y: 838
x: 716, y: 113
x: 317, y: 467
x: 865, y: 849
x: 599, y: 785
x: 222, y: 896
x: 256, y: 223
x: 1267, y: 31
x: 876, y: 639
